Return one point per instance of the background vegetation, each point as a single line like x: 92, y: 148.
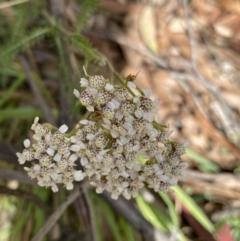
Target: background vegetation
x: 186, y: 52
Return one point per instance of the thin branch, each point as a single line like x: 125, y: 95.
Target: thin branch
x: 17, y: 175
x: 12, y: 3
x: 56, y: 215
x: 40, y: 99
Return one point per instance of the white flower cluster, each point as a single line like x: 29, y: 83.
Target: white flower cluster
x: 53, y: 150
x: 119, y: 133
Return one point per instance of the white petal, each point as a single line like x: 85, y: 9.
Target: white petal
x: 48, y: 137
x: 159, y: 158
x: 83, y: 82
x: 90, y: 136
x: 115, y: 196
x: 63, y: 128
x: 163, y: 178
x: 54, y: 188
x: 113, y: 104
x: 54, y: 175
x: 147, y: 92
x: 69, y: 186
x: 79, y: 175
x: 36, y: 137
x: 50, y: 152
x: 76, y: 93
x: 114, y: 133
x: 37, y: 168
x: 132, y: 85
x: 75, y: 148
x: 90, y: 108
x: 174, y: 180
x: 36, y: 120
x: 84, y: 122
x: 126, y: 194
x: 84, y: 161
x: 27, y: 143
x: 57, y: 157
x: 119, y: 115
x: 109, y: 87
x: 73, y: 158
x: 73, y: 139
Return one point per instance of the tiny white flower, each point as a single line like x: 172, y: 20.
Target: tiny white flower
x: 79, y: 175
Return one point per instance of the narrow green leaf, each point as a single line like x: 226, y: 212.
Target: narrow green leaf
x: 84, y: 46
x: 205, y: 164
x: 149, y: 214
x: 171, y: 209
x: 109, y: 215
x: 194, y: 209
x: 35, y: 35
x: 20, y: 113
x: 127, y: 230
x: 11, y: 89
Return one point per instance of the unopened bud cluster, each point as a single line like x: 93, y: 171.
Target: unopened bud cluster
x: 120, y: 147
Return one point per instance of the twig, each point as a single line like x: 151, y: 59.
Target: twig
x: 56, y: 215
x: 40, y: 99
x: 16, y: 175
x: 84, y: 211
x: 132, y: 215
x: 12, y: 3
x: 7, y: 153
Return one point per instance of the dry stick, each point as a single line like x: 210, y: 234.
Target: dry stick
x: 201, y: 79
x: 56, y: 215
x: 40, y: 99
x: 17, y: 175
